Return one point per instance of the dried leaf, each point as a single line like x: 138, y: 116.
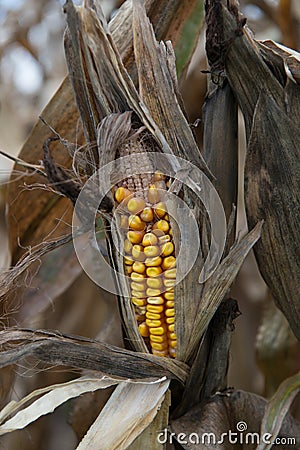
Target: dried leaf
x: 130, y: 409
x: 277, y: 408
x: 272, y: 194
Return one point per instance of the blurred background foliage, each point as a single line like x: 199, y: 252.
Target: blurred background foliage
x: 32, y: 66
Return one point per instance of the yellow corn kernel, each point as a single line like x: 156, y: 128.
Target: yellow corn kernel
x: 129, y: 269
x: 137, y: 276
x: 160, y: 209
x: 170, y: 273
x: 151, y: 250
x: 169, y: 320
x: 172, y: 344
x: 170, y: 312
x: 159, y: 331
x: 127, y: 246
x: 136, y: 205
x: 154, y: 283
x: 139, y: 301
x: 159, y: 353
x: 169, y: 295
x: 157, y: 346
x: 153, y: 194
x: 144, y: 330
x: 169, y: 262
x: 170, y: 304
x: 162, y: 225
x: 147, y: 214
x: 138, y: 253
x: 167, y: 218
x: 169, y: 282
x: 171, y: 328
x: 153, y: 292
x: 153, y: 272
x: 171, y: 232
x: 139, y: 267
x: 135, y: 223
x: 140, y: 287
x: 121, y: 194
x: 158, y: 339
x: 135, y: 237
x: 138, y: 294
x: 153, y: 316
x: 164, y: 239
x: 172, y: 336
x: 167, y: 249
x: 128, y: 261
x: 155, y: 301
x: 157, y: 309
x: 149, y: 239
x: 154, y: 323
x: 153, y: 262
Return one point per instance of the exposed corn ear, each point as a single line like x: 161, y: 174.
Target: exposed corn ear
x: 150, y: 261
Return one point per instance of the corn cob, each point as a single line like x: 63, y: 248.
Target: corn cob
x: 149, y: 255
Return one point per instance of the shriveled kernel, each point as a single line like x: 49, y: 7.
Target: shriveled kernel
x: 162, y: 225
x: 172, y: 351
x: 138, y: 294
x: 170, y: 304
x: 138, y: 253
x: 154, y: 323
x: 158, y: 176
x: 160, y: 209
x: 167, y: 218
x: 151, y: 292
x: 170, y: 273
x: 170, y: 320
x: 153, y: 262
x: 157, y: 232
x: 170, y: 312
x: 157, y: 309
x: 127, y: 246
x: 153, y: 194
x: 167, y: 249
x: 169, y: 295
x: 136, y: 205
x: 121, y: 194
x: 169, y: 262
x: 153, y: 271
x: 123, y: 223
x: 144, y: 330
x: 140, y: 318
x: 140, y: 287
x: 137, y: 276
x: 149, y: 239
x: 155, y: 301
x: 153, y: 316
x: 171, y: 232
x: 139, y: 267
x: 161, y: 353
x: 164, y: 239
x: 135, y: 223
x: 129, y: 269
x: 160, y: 185
x: 151, y: 250
x: 157, y: 346
x: 135, y: 237
x: 141, y: 312
x: 158, y: 339
x: 172, y: 336
x: 159, y: 331
x: 169, y: 282
x: 154, y: 283
x: 139, y: 301
x: 147, y: 214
